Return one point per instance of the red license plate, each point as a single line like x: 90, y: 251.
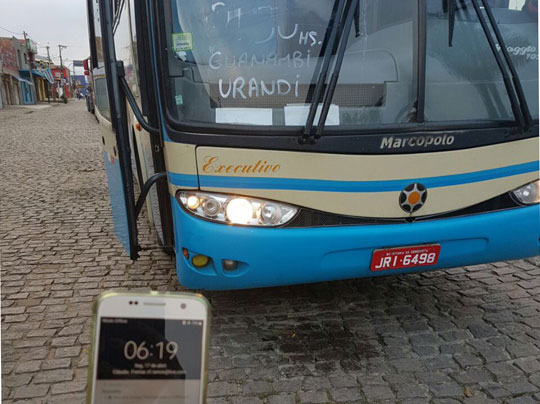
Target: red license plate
x: 405, y: 257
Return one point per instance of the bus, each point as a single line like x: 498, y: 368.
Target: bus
x: 279, y: 142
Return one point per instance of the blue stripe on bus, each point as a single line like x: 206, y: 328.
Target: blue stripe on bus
x: 183, y: 180
x: 214, y: 181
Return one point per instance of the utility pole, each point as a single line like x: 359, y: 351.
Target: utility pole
x: 49, y: 84
x: 33, y: 90
x: 60, y: 47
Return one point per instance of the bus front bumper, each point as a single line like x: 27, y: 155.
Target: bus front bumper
x: 284, y: 256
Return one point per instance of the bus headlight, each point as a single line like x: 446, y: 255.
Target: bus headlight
x: 210, y: 206
x: 233, y: 209
x: 528, y: 194
x: 193, y: 202
x: 271, y: 213
x: 239, y: 211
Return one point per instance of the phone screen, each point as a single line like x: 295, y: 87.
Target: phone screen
x: 147, y: 360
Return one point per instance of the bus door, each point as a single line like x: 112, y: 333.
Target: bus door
x: 110, y: 111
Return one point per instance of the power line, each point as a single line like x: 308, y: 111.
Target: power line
x: 15, y: 33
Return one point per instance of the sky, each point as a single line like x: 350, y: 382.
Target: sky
x: 49, y: 22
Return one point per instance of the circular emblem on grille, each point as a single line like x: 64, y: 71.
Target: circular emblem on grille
x: 412, y: 197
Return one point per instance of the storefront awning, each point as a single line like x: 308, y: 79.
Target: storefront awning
x: 38, y: 73
x: 46, y: 74
x: 25, y: 81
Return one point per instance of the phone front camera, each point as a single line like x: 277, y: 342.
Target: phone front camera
x: 183, y: 306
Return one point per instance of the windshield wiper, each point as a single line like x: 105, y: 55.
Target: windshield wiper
x: 344, y: 36
x: 357, y: 21
x: 452, y: 7
x: 519, y: 105
x: 451, y: 20
x: 517, y: 108
x: 510, y: 63
x: 322, y: 70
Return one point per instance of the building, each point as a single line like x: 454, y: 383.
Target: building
x: 25, y: 50
x: 62, y: 79
x: 26, y: 78
x: 16, y: 78
x: 9, y: 74
x: 40, y: 81
x: 43, y: 78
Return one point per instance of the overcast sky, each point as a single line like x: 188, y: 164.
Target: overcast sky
x: 49, y: 22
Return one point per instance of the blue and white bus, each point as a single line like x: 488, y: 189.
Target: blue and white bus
x: 279, y: 142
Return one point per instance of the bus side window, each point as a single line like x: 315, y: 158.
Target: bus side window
x: 100, y: 82
x: 102, y: 97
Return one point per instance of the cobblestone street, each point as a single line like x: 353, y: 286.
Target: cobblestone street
x: 465, y: 335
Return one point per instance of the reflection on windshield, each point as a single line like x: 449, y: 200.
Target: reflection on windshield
x: 252, y: 62
x: 463, y: 82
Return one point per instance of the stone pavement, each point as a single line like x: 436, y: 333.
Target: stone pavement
x: 465, y: 335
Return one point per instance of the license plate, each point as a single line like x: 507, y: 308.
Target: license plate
x: 405, y: 257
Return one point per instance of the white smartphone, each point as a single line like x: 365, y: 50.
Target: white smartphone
x: 149, y: 348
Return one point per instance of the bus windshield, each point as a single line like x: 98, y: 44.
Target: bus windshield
x: 254, y: 63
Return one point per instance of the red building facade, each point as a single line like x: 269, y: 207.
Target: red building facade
x: 61, y: 80
x: 9, y: 73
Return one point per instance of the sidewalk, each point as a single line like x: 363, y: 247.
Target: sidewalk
x: 36, y: 107
x: 15, y: 111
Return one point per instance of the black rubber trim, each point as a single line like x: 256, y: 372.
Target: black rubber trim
x: 314, y: 218
x: 124, y: 86
x: 145, y: 188
x: 360, y: 144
